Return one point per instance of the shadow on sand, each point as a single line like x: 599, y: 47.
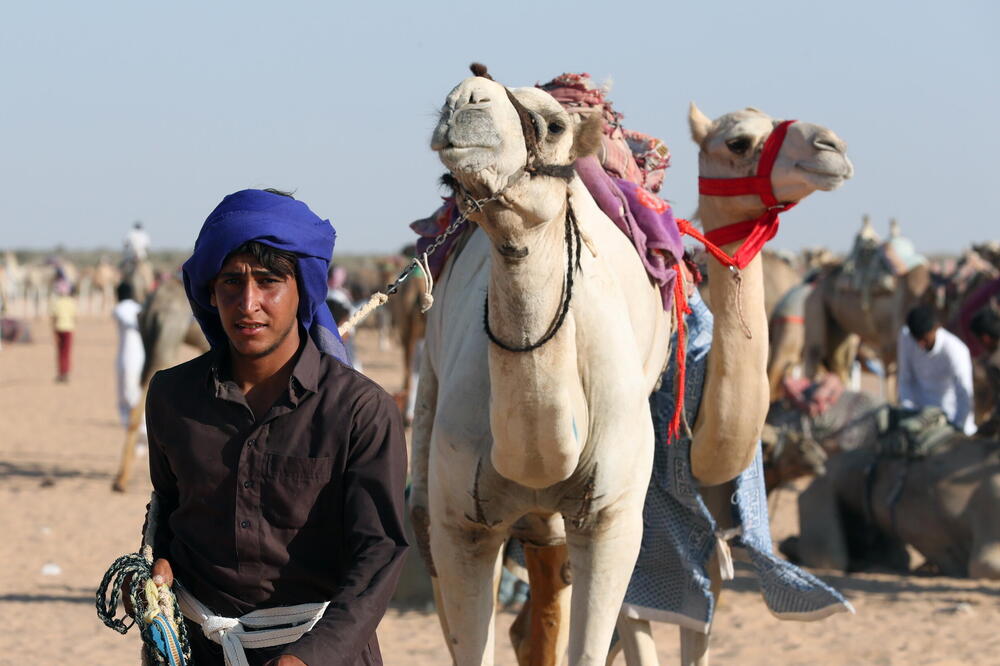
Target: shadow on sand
x: 48, y: 474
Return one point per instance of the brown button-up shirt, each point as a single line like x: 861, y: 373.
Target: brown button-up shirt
x: 304, y: 505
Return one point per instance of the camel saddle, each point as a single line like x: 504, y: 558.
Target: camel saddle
x: 872, y: 266
x: 912, y: 433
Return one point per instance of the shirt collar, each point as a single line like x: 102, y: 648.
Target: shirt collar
x: 304, y: 379
x: 306, y: 372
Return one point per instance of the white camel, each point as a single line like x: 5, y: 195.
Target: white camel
x: 556, y: 442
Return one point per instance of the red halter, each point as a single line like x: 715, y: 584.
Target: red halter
x: 756, y: 232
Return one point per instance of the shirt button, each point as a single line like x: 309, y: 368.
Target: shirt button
x: 248, y: 484
x: 251, y: 442
x: 245, y: 524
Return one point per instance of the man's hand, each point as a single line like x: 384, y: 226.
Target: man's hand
x: 162, y: 574
x: 286, y: 660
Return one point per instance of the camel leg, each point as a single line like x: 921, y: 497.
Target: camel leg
x: 778, y: 361
x: 442, y: 618
x: 635, y: 639
x: 694, y: 648
x: 413, y: 379
x: 816, y: 333
x: 694, y: 644
x: 520, y: 628
x: 602, y: 558
x: 822, y: 542
x: 545, y: 617
x: 467, y: 587
x: 128, y: 452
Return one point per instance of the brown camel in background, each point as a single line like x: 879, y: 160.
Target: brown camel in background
x: 870, y: 501
x: 833, y: 313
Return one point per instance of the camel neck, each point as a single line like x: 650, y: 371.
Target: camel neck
x: 527, y: 281
x: 535, y: 439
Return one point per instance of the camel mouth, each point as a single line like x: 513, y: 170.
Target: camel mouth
x: 467, y: 159
x: 825, y: 177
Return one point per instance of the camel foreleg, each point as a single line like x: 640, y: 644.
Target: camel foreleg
x: 468, y: 556
x: 603, y: 556
x: 635, y: 639
x: 541, y: 632
x: 694, y: 644
x: 131, y: 436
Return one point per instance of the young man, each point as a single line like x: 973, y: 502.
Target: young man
x: 277, y: 470
x: 935, y: 369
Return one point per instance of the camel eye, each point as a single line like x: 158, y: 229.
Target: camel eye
x: 556, y: 128
x: 739, y: 145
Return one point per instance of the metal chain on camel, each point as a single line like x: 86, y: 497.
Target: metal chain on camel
x: 379, y: 298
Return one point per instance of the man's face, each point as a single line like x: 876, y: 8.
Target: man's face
x: 258, y: 308
x: 927, y: 342
x: 990, y: 343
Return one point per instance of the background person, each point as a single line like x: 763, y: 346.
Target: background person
x: 935, y: 369
x: 63, y: 325
x: 135, y: 247
x: 130, y: 357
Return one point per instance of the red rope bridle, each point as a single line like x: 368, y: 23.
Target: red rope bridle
x: 754, y: 234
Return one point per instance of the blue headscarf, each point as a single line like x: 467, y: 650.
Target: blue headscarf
x: 284, y: 224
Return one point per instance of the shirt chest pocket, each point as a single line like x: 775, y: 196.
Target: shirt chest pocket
x: 297, y: 492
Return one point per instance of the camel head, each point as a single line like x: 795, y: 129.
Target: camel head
x: 811, y: 157
x: 519, y: 142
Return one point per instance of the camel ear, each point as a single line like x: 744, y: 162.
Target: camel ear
x: 699, y: 122
x: 587, y: 138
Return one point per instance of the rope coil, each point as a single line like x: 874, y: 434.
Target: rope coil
x: 164, y: 634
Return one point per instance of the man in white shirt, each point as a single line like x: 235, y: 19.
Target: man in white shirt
x: 935, y: 369
x: 130, y: 358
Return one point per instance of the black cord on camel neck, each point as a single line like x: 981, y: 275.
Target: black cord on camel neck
x: 573, y: 244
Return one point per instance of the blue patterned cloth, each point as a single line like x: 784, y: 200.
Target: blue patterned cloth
x: 671, y: 582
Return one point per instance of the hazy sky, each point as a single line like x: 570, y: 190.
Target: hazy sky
x: 117, y: 111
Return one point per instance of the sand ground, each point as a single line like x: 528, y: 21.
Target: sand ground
x: 62, y: 526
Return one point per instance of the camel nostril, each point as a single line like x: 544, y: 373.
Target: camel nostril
x: 828, y: 143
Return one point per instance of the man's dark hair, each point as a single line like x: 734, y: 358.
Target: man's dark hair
x: 986, y: 322
x: 124, y: 291
x: 921, y: 321
x: 279, y: 262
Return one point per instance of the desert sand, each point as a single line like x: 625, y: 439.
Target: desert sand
x: 62, y: 526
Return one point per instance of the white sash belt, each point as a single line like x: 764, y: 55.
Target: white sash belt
x: 250, y: 630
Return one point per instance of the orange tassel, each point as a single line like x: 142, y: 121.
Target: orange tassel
x: 681, y: 308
